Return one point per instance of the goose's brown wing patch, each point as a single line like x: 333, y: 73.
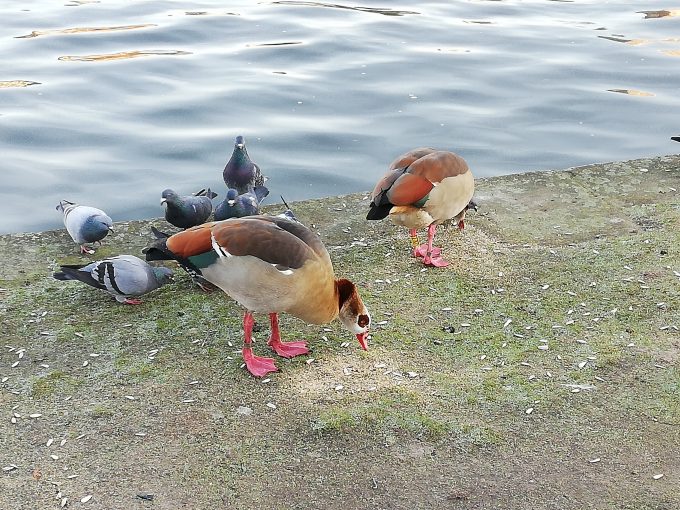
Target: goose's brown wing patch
x: 438, y: 165
x: 267, y: 238
x: 406, y: 159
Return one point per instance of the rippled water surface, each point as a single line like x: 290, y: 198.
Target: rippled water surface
x: 108, y: 102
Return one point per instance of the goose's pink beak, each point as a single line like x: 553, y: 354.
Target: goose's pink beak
x: 362, y: 337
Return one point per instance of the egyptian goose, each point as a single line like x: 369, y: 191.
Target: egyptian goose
x: 85, y: 224
x: 424, y: 188
x: 240, y: 172
x: 187, y: 211
x: 268, y: 264
x: 125, y: 277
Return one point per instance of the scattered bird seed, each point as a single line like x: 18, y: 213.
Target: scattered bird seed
x: 85, y: 363
x: 49, y: 442
x: 63, y: 502
x: 529, y: 410
x: 339, y: 387
x: 54, y: 457
x: 11, y: 467
x: 582, y: 364
x: 271, y: 405
x: 188, y: 400
x: 85, y: 499
x: 15, y: 364
x: 265, y: 381
x: 140, y: 434
x: 593, y: 461
x: 507, y: 323
x: 658, y: 477
x: 130, y: 397
x: 35, y: 415
x: 62, y: 442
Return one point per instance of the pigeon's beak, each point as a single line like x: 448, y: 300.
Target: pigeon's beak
x: 111, y: 230
x: 231, y: 202
x: 163, y: 200
x: 363, y: 337
x: 239, y: 146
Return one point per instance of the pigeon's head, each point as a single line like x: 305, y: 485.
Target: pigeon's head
x: 169, y: 195
x: 163, y: 274
x: 471, y: 205
x: 240, y: 142
x: 232, y: 195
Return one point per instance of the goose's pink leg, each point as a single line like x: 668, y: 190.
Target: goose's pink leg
x: 433, y: 255
x: 285, y: 349
x: 419, y: 251
x: 256, y: 365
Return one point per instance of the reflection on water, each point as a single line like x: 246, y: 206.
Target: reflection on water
x: 659, y: 14
x: 122, y: 55
x: 208, y: 13
x: 275, y: 44
x: 76, y: 3
x: 79, y: 30
x: 17, y: 83
x: 376, y: 10
x: 326, y: 92
x: 631, y: 92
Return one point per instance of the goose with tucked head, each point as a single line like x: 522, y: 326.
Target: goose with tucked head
x: 422, y: 189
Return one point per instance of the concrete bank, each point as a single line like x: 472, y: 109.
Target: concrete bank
x: 539, y: 370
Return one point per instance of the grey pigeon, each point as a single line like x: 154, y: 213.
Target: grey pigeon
x: 240, y: 172
x: 85, y: 224
x: 238, y: 206
x: 122, y: 276
x: 188, y: 211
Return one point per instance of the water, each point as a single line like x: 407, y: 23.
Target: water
x: 326, y: 95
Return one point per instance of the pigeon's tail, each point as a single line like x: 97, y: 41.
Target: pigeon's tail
x: 205, y: 193
x: 288, y: 213
x: 63, y: 205
x: 260, y: 192
x: 73, y: 272
x: 158, y: 234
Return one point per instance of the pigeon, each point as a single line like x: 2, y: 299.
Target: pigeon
x: 240, y: 172
x: 85, y: 224
x: 271, y: 265
x: 188, y: 211
x: 423, y: 188
x: 238, y: 206
x: 122, y: 276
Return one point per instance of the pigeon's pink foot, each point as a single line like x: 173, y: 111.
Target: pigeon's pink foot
x: 132, y: 301
x: 288, y: 349
x: 435, y: 260
x: 86, y: 250
x: 421, y: 251
x: 257, y: 365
